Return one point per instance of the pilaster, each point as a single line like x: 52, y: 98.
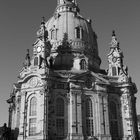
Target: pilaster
x: 127, y: 116
x: 75, y: 115
x: 22, y: 116
x: 103, y: 115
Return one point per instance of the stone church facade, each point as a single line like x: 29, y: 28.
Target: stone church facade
x: 61, y: 92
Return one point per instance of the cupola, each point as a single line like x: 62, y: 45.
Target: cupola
x: 73, y: 41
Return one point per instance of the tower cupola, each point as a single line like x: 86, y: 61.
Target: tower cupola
x: 115, y: 59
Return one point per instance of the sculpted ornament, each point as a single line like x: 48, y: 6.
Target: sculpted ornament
x: 125, y: 90
x: 75, y: 86
x: 88, y: 83
x: 33, y: 82
x: 68, y: 97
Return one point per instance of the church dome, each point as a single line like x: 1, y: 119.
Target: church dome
x: 67, y: 25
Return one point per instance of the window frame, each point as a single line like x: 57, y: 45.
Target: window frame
x: 32, y: 116
x: 114, y: 122
x: 89, y: 117
x: 83, y: 64
x: 33, y: 107
x: 79, y: 32
x: 36, y: 60
x: 60, y: 115
x: 32, y: 126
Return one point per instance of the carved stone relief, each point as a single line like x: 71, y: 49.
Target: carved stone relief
x: 89, y: 83
x: 123, y: 78
x: 33, y: 82
x: 125, y: 90
x: 75, y: 86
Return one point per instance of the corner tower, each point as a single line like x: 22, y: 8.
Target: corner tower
x: 115, y: 58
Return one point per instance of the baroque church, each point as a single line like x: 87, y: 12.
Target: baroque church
x: 63, y: 94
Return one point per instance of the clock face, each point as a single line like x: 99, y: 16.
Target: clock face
x: 114, y: 59
x: 39, y: 49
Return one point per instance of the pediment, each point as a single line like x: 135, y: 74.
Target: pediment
x: 94, y: 77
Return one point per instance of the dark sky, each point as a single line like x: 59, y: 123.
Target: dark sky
x: 20, y: 19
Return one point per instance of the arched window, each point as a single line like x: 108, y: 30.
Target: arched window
x: 89, y: 118
x: 53, y: 34
x: 113, y: 113
x: 32, y: 116
x: 33, y: 106
x: 83, y: 64
x: 60, y: 117
x: 35, y: 61
x: 79, y: 32
x: 114, y: 71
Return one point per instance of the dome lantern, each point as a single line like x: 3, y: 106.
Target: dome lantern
x: 61, y: 2
x: 67, y: 5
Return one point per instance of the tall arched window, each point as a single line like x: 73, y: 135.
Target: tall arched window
x: 113, y: 113
x: 83, y: 64
x: 53, y: 34
x: 35, y: 61
x: 59, y: 107
x: 89, y: 118
x: 79, y: 32
x: 33, y: 106
x: 32, y: 116
x: 60, y: 117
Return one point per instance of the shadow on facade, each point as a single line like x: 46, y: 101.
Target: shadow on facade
x: 64, y: 59
x: 7, y: 134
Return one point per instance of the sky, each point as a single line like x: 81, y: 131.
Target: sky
x: 20, y: 19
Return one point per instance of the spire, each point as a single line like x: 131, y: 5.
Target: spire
x: 113, y: 33
x: 45, y: 33
x: 42, y: 33
x: 43, y: 21
x: 114, y: 43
